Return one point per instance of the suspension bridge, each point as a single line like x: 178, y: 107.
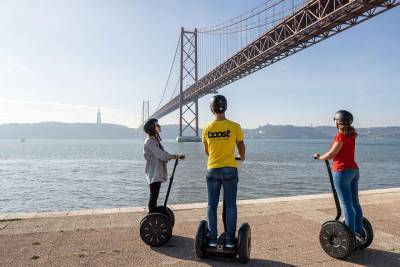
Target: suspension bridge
x: 213, y: 57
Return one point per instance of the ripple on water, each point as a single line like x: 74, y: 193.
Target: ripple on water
x: 82, y: 174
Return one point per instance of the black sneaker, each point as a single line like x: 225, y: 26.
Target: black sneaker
x: 230, y: 244
x: 212, y: 243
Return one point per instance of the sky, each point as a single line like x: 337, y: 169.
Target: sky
x: 62, y: 60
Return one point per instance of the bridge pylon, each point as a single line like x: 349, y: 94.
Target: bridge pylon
x: 189, y: 111
x: 145, y: 111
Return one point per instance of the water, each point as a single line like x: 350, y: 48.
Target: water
x: 52, y: 175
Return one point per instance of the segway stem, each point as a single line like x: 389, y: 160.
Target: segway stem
x: 335, y: 196
x: 170, y: 183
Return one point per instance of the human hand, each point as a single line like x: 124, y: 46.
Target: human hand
x: 180, y: 156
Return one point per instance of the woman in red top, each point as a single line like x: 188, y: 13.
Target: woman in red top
x: 345, y: 171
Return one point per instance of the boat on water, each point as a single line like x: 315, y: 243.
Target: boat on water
x: 22, y: 140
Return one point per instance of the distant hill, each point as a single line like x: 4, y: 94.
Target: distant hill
x: 58, y: 130
x: 320, y: 132
x: 288, y: 132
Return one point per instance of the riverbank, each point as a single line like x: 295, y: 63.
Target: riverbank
x: 285, y: 233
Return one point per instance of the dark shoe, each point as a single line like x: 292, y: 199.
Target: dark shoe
x: 229, y: 243
x: 212, y: 243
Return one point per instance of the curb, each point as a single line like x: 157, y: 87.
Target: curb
x: 34, y: 215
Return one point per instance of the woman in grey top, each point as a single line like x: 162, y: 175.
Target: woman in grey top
x: 156, y: 160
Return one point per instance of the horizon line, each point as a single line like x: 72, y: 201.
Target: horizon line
x: 267, y: 124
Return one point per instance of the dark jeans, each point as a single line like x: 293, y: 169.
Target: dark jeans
x: 346, y: 184
x: 227, y: 178
x: 154, y: 191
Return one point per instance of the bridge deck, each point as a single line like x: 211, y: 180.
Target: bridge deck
x: 310, y: 24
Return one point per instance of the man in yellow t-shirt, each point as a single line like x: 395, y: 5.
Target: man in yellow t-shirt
x: 219, y: 139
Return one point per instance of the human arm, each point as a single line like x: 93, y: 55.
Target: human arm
x: 241, y: 149
x: 205, y: 145
x: 240, y: 144
x: 204, y: 139
x: 154, y: 149
x: 333, y: 151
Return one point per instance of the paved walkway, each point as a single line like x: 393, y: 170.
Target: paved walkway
x: 284, y: 231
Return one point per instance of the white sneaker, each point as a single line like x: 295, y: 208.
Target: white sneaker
x: 360, y: 239
x: 212, y: 244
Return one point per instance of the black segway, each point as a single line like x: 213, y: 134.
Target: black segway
x: 156, y: 227
x: 242, y: 247
x: 335, y: 237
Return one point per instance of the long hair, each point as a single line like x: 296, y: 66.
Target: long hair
x: 158, y: 137
x: 348, y: 130
x: 153, y: 133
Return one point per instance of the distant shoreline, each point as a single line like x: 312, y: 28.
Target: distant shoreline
x: 173, y: 139
x: 58, y: 130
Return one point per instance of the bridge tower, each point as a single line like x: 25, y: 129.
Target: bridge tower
x: 188, y: 112
x: 98, y: 116
x: 145, y: 112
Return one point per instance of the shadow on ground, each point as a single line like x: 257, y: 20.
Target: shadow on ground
x: 375, y: 258
x: 181, y: 247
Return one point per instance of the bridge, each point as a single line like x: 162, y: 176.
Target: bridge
x: 229, y: 51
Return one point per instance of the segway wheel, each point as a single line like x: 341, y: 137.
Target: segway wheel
x: 368, y: 234
x: 171, y: 216
x: 336, y: 239
x: 244, y: 243
x: 200, y: 244
x: 168, y: 212
x: 155, y: 229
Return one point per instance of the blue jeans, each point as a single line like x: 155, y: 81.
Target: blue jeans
x: 346, y: 184
x: 228, y: 178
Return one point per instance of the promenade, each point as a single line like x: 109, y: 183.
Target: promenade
x: 284, y: 233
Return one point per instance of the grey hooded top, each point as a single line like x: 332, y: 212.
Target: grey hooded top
x: 156, y: 160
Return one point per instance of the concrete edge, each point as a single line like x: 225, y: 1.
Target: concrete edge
x: 30, y: 215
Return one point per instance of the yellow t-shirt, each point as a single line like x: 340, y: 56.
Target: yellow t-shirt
x: 221, y: 137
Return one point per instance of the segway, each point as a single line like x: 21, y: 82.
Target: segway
x: 335, y: 237
x: 156, y: 227
x: 242, y: 247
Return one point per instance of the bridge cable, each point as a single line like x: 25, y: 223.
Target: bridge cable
x: 170, y: 71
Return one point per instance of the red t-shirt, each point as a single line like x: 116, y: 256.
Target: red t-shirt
x: 345, y: 158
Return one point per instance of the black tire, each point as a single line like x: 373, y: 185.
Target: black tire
x: 336, y: 239
x: 244, y: 243
x: 368, y: 233
x: 200, y: 243
x: 172, y: 216
x: 168, y: 212
x: 155, y: 229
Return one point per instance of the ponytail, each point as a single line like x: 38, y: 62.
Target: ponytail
x: 347, y: 129
x: 350, y: 131
x: 158, y: 137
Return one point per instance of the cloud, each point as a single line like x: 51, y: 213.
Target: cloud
x: 19, y: 111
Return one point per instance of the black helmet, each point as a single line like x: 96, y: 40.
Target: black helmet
x: 218, y: 104
x: 150, y: 126
x: 343, y: 117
